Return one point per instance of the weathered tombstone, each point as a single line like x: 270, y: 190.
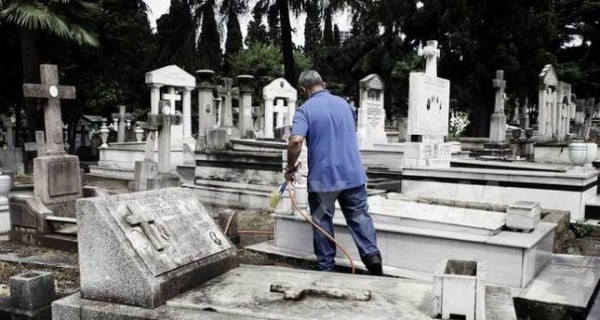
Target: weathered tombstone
x: 563, y: 112
x: 371, y: 114
x: 547, y: 101
x: 226, y: 110
x: 589, y: 111
x: 151, y: 246
x: 497, y: 147
x: 428, y: 115
x: 278, y: 91
x: 57, y: 176
x: 579, y: 118
x: 524, y: 122
x: 162, y: 122
x: 516, y: 113
x: 207, y: 109
x: 498, y: 121
x: 121, y: 117
x: 11, y: 158
x: 245, y: 91
x: 148, y: 168
x: 7, y: 124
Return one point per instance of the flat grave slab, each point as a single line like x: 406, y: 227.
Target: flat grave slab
x: 247, y: 291
x: 392, y: 209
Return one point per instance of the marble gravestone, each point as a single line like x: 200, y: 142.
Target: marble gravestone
x: 280, y: 105
x: 371, y: 114
x: 56, y: 174
x: 547, y: 101
x: 428, y: 115
x: 141, y: 249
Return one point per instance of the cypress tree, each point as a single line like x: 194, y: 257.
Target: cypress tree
x: 274, y: 32
x: 234, y: 42
x: 312, y: 28
x: 328, y: 32
x: 336, y: 36
x: 257, y: 32
x: 209, y: 44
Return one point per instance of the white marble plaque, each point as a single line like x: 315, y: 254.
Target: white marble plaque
x: 428, y: 105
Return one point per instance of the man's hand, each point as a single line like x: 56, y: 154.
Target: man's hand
x: 290, y: 173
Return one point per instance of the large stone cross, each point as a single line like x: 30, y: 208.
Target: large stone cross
x: 500, y: 84
x: 226, y: 110
x: 50, y: 89
x: 431, y: 53
x: 172, y: 97
x: 134, y: 219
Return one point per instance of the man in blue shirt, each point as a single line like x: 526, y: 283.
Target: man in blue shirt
x: 335, y: 172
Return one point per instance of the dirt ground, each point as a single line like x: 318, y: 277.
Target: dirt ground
x: 255, y: 227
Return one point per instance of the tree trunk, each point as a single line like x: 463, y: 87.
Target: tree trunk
x: 287, y: 46
x: 31, y: 74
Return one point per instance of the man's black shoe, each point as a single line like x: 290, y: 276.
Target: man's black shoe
x: 373, y: 264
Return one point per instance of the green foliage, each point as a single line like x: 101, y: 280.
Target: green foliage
x: 209, y: 45
x: 581, y: 229
x: 257, y: 32
x: 265, y: 61
x: 69, y: 19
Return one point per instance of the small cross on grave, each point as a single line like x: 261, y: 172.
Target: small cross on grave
x: 226, y: 111
x: 500, y: 84
x: 50, y: 90
x: 280, y: 109
x: 122, y: 117
x: 39, y: 145
x: 172, y: 97
x: 134, y: 219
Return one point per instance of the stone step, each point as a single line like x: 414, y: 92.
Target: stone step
x: 59, y: 241
x: 566, y: 289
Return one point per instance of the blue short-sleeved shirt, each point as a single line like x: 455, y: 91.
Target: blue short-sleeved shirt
x: 327, y: 123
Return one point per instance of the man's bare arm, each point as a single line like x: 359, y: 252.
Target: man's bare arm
x: 293, y: 153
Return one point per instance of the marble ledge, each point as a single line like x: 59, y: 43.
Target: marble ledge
x: 504, y: 238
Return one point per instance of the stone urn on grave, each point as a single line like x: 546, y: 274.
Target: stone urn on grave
x: 577, y: 153
x: 591, y: 153
x: 5, y: 186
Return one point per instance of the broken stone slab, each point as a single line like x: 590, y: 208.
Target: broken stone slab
x: 297, y: 292
x: 523, y: 215
x: 565, y: 289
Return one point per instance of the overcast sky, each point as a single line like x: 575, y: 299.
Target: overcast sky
x: 160, y: 7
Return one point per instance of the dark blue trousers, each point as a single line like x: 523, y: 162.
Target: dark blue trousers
x: 353, y: 203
